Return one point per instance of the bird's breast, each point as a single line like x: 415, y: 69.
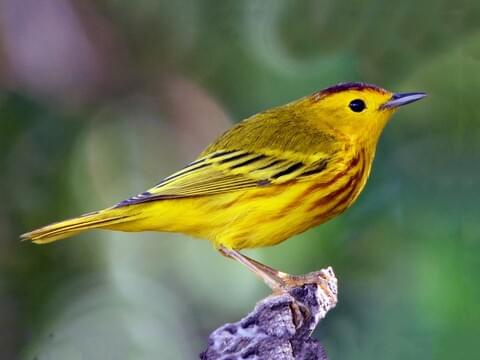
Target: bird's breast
x: 332, y: 197
x: 267, y: 216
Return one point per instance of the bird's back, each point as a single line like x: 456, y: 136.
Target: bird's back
x: 286, y: 130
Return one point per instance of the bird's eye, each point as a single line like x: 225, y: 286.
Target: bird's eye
x: 357, y: 105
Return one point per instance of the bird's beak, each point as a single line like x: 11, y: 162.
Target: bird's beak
x: 400, y: 99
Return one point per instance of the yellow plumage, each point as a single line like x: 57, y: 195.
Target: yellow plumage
x: 271, y: 176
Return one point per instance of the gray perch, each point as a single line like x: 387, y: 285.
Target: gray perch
x: 280, y: 326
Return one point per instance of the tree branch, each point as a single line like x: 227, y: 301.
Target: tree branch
x: 280, y: 326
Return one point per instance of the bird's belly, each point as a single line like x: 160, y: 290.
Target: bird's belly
x: 268, y: 217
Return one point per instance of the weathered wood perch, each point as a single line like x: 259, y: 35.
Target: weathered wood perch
x: 280, y: 326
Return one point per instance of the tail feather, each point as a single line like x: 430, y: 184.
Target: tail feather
x: 70, y: 227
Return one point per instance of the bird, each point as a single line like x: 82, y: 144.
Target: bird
x: 271, y: 176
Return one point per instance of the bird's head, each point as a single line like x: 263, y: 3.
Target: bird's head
x: 357, y: 110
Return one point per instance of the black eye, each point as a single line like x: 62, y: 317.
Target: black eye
x: 357, y: 105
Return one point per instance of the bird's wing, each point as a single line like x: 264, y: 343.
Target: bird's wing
x: 270, y: 148
x: 228, y: 170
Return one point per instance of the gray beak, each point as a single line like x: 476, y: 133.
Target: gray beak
x: 400, y: 99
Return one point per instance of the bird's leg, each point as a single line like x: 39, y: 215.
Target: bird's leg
x: 269, y: 275
x: 281, y: 282
x: 277, y: 280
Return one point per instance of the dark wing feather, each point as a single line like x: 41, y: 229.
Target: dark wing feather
x: 226, y: 171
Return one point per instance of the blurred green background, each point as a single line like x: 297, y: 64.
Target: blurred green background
x: 101, y: 99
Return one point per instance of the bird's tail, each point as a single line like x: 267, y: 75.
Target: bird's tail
x: 107, y: 218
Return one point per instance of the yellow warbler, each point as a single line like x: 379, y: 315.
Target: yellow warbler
x: 273, y: 175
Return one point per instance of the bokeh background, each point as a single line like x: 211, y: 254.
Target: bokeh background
x: 101, y: 99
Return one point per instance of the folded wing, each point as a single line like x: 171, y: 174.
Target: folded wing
x: 231, y: 170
